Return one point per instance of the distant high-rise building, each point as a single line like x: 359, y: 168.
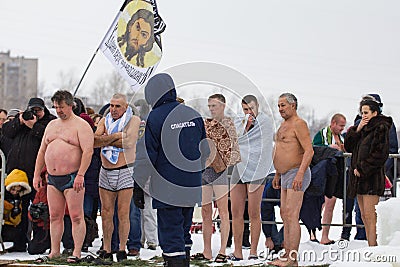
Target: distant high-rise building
x: 18, y: 80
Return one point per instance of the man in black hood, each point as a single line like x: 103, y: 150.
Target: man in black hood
x: 26, y: 132
x: 175, y: 145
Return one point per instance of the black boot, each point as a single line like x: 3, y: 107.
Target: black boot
x: 121, y: 255
x: 187, y: 258
x: 174, y: 262
x: 104, y: 255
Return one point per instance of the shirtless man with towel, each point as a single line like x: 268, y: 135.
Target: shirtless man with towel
x: 117, y: 134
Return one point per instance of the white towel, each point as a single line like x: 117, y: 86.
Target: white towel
x: 256, y: 148
x: 111, y: 153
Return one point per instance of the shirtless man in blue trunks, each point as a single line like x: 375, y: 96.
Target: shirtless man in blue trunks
x: 66, y: 149
x: 293, y: 154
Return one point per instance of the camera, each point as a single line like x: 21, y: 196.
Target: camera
x: 39, y: 211
x: 16, y: 207
x: 28, y: 114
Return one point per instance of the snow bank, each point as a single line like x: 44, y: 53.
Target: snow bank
x: 388, y: 223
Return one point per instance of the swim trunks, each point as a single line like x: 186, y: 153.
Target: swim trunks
x: 210, y: 177
x: 236, y: 179
x: 62, y: 182
x: 116, y: 179
x: 288, y: 177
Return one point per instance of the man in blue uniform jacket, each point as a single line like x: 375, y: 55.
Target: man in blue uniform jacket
x: 177, y: 149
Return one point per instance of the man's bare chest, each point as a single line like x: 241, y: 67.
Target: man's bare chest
x: 65, y: 134
x: 285, y: 134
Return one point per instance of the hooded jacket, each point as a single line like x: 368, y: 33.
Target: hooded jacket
x: 173, y: 140
x: 16, y: 177
x: 370, y: 150
x: 25, y: 143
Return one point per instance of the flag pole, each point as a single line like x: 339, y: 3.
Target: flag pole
x: 98, y: 47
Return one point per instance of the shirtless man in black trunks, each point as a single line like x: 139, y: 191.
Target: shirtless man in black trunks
x: 66, y: 149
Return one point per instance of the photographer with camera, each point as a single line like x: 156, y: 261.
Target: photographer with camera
x: 16, y: 185
x: 26, y: 132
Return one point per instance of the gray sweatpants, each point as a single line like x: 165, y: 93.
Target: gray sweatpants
x: 149, y: 222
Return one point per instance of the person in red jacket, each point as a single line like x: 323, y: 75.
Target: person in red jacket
x: 39, y: 216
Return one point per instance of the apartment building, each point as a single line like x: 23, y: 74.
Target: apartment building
x: 18, y: 80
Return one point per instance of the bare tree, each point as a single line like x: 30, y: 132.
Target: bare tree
x: 314, y: 124
x: 101, y: 93
x: 117, y: 83
x: 67, y: 80
x: 105, y: 87
x: 41, y: 86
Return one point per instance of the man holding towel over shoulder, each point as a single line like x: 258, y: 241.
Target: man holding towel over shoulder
x: 117, y: 134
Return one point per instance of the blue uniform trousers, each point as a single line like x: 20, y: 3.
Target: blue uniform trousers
x: 174, y: 231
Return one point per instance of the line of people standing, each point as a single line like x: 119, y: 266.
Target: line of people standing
x: 174, y: 142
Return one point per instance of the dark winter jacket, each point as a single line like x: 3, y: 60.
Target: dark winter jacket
x: 92, y: 175
x: 393, y: 148
x: 5, y: 144
x: 326, y: 172
x: 268, y: 207
x: 370, y: 150
x: 26, y: 143
x: 173, y: 140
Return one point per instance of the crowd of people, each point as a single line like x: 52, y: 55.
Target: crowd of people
x: 145, y: 171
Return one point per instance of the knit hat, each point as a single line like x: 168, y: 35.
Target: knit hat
x: 18, y: 177
x: 36, y: 102
x: 377, y: 97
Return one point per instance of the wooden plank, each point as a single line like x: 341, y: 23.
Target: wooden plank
x: 13, y: 264
x: 5, y: 262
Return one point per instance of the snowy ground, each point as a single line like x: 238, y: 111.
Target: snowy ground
x: 340, y: 254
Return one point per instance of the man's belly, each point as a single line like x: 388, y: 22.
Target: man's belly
x: 286, y: 160
x: 62, y: 158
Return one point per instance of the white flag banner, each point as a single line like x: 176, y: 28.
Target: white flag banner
x: 133, y: 42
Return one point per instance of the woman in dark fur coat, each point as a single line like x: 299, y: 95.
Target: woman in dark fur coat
x: 369, y: 143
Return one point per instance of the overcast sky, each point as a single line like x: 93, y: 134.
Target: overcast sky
x: 328, y: 53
